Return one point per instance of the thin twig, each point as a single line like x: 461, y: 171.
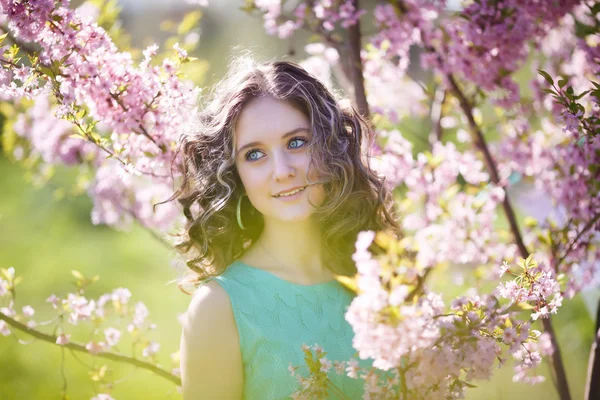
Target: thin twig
x: 437, y: 114
x: 103, y: 354
x: 587, y: 226
x: 62, y: 373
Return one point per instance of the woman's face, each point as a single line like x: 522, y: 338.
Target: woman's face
x: 271, y: 139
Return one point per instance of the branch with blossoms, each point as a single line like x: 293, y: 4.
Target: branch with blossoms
x: 76, y: 309
x: 76, y: 97
x: 107, y: 116
x: 431, y: 350
x: 576, y: 100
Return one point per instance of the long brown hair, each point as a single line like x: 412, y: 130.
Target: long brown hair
x: 356, y: 198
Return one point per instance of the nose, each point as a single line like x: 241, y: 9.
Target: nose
x: 283, y: 167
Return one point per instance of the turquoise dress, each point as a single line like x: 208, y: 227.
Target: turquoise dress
x: 275, y: 317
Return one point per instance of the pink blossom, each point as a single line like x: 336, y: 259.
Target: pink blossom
x: 4, y: 330
x: 340, y: 367
x: 152, y: 348
x: 140, y: 314
x: 121, y: 295
x: 63, y: 339
x: 292, y: 369
x: 102, y: 396
x: 325, y: 364
x: 80, y: 308
x: 112, y: 336
x: 28, y: 311
x: 352, y: 369
x: 4, y: 289
x: 96, y: 347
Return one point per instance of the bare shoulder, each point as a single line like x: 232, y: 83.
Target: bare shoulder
x: 210, y: 301
x: 211, y: 362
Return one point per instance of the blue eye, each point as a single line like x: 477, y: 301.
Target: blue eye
x: 298, y: 138
x: 249, y: 157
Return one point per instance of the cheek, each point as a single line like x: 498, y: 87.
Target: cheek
x: 253, y: 182
x: 317, y: 195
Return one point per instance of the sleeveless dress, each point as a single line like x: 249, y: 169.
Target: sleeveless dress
x: 275, y: 317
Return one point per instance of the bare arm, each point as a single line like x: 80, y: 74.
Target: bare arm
x: 211, y: 361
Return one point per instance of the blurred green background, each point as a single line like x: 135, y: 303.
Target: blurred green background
x: 44, y: 239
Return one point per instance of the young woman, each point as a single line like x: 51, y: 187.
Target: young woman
x: 276, y: 189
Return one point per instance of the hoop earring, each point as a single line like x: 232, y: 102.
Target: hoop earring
x: 238, y: 212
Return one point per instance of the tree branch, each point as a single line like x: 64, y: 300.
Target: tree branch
x: 557, y: 362
x: 78, y: 347
x: 437, y: 114
x: 354, y: 68
x: 587, y: 226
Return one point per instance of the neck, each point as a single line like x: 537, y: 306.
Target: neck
x: 293, y: 249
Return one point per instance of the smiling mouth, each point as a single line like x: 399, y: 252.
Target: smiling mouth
x: 293, y: 192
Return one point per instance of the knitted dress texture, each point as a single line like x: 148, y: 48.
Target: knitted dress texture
x: 274, y: 317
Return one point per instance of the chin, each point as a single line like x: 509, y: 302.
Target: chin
x: 291, y: 216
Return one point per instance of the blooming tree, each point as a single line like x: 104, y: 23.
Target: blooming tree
x: 118, y: 119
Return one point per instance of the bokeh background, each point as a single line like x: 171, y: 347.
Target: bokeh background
x: 45, y: 234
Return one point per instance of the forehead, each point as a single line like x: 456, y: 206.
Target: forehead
x: 266, y: 118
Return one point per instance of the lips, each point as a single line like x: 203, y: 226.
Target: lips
x: 284, y: 192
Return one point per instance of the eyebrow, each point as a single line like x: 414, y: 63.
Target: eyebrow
x: 290, y: 133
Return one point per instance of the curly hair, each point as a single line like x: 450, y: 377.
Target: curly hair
x: 355, y: 197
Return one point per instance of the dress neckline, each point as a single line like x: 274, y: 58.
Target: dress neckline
x: 277, y: 278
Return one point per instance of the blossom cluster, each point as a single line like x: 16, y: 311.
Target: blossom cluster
x: 140, y: 111
x: 535, y: 284
x: 492, y: 40
x: 562, y: 170
x: 433, y: 350
x: 318, y: 383
x: 484, y: 46
x: 320, y: 14
x: 400, y: 324
x: 403, y: 25
x: 559, y: 154
x: 446, y: 222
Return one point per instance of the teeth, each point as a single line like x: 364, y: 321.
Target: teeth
x: 290, y: 193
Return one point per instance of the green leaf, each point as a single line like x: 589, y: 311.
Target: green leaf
x: 9, y: 139
x: 189, y: 22
x: 530, y: 222
x: 583, y: 30
x: 582, y: 94
x: 525, y: 306
x: 77, y: 275
x: 546, y: 76
x: 562, y: 83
